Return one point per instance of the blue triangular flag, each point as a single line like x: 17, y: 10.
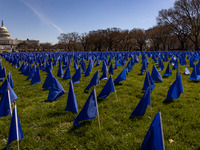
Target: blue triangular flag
x: 88, y: 69
x: 60, y: 71
x: 67, y: 74
x: 142, y: 105
x: 48, y: 81
x: 71, y: 100
x: 175, y: 89
x: 120, y: 77
x: 195, y: 76
x: 148, y: 82
x: 108, y: 88
x: 168, y: 71
x: 10, y: 80
x: 156, y: 75
x: 36, y: 78
x: 77, y: 75
x: 154, y: 139
x: 56, y: 90
x: 15, y: 132
x: 89, y: 110
x: 94, y: 81
x: 186, y: 72
x: 4, y: 87
x: 31, y: 73
x: 110, y: 71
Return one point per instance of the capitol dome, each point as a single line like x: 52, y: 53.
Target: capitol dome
x: 4, y: 34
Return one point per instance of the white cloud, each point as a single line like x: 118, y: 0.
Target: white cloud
x: 42, y: 17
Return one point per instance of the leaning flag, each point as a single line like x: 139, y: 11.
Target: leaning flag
x: 108, y: 88
x: 142, y: 105
x: 168, y: 71
x: 94, y: 81
x: 48, y: 81
x: 148, y: 82
x: 156, y: 75
x: 175, y: 89
x: 15, y: 132
x: 36, y: 78
x: 89, y: 110
x: 67, y: 74
x: 77, y: 75
x: 154, y: 139
x: 110, y: 71
x: 120, y: 77
x: 71, y: 100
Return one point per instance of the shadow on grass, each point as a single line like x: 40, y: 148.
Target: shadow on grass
x: 99, y: 100
x: 166, y: 101
x: 166, y: 76
x: 140, y: 74
x: 192, y: 81
x: 82, y: 124
x: 135, y: 118
x: 118, y: 84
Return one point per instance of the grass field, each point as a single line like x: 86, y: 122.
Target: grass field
x: 46, y: 125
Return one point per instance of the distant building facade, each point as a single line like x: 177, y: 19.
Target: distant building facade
x: 8, y: 44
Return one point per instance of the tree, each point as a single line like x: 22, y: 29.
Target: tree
x: 139, y: 37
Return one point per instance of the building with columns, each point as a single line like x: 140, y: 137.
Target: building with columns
x: 8, y: 44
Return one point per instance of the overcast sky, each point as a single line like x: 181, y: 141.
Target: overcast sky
x: 44, y: 20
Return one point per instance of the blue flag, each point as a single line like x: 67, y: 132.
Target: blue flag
x: 10, y: 80
x: 186, y: 72
x: 154, y: 139
x: 175, y: 89
x: 120, y: 77
x: 4, y: 87
x: 77, y: 75
x: 48, y: 81
x: 168, y: 71
x: 156, y: 75
x: 195, y: 76
x: 36, y: 78
x: 142, y: 105
x: 108, y: 88
x: 71, y: 100
x: 148, y: 82
x: 88, y: 69
x: 105, y: 70
x: 89, y: 110
x: 111, y: 69
x: 60, y: 71
x: 56, y: 90
x: 31, y: 73
x: 67, y: 74
x: 94, y: 81
x: 15, y: 132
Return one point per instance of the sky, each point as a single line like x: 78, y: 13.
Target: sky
x: 45, y: 20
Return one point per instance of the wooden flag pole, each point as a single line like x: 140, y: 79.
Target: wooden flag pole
x: 97, y: 108
x: 16, y: 120
x: 161, y: 127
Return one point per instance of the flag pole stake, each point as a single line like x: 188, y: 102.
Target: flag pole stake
x: 97, y: 108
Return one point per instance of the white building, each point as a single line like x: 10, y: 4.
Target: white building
x: 8, y: 44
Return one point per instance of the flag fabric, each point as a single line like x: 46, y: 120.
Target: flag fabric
x: 89, y: 110
x: 36, y: 78
x: 48, y: 81
x: 120, y: 77
x: 105, y: 70
x: 142, y: 105
x: 148, y: 82
x: 77, y: 75
x: 10, y: 80
x: 15, y: 132
x: 175, y: 89
x: 108, y: 88
x: 110, y: 71
x: 71, y: 100
x: 168, y: 71
x: 195, y: 76
x: 30, y: 76
x: 94, y: 81
x: 88, y: 69
x: 60, y: 71
x: 154, y: 139
x: 156, y: 75
x: 5, y: 86
x: 56, y: 90
x: 186, y: 72
x: 67, y: 74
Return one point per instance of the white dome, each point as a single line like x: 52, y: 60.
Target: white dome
x: 4, y: 34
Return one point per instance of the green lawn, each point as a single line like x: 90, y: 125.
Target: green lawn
x: 46, y: 125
